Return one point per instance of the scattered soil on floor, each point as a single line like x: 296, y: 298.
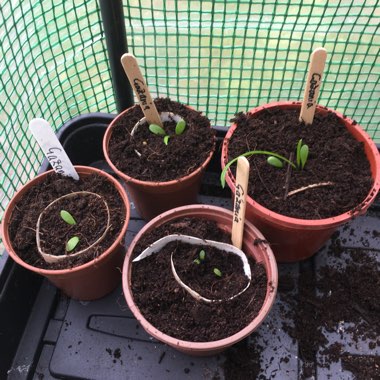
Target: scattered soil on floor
x: 334, y: 156
x: 159, y: 162
x: 22, y: 228
x: 242, y: 361
x: 117, y: 353
x: 171, y: 309
x: 362, y: 367
x: 343, y: 299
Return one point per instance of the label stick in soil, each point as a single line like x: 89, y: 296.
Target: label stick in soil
x: 132, y: 69
x: 313, y: 84
x: 52, y: 148
x: 240, y: 202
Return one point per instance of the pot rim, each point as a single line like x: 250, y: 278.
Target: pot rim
x: 200, y: 347
x: 127, y: 178
x: 57, y: 272
x: 310, y: 223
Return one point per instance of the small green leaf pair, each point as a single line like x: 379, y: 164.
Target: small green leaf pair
x: 302, y: 154
x: 157, y: 130
x: 69, y: 219
x: 202, y: 256
x: 274, y: 159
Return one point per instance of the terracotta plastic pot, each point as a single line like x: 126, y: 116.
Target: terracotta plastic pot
x: 152, y: 198
x: 294, y: 239
x: 262, y: 254
x: 91, y: 280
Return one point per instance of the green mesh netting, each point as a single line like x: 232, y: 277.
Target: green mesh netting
x: 218, y: 56
x: 53, y: 64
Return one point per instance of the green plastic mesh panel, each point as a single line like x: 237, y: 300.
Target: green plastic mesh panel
x: 53, y: 64
x: 218, y: 56
x: 227, y: 56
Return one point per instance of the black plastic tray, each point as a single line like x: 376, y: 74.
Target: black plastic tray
x: 50, y: 336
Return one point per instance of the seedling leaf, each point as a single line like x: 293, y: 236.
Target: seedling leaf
x: 197, y: 261
x: 304, y: 153
x: 217, y: 272
x: 249, y: 154
x: 202, y: 254
x: 274, y: 161
x: 72, y: 243
x: 67, y: 217
x: 298, y: 153
x: 157, y: 130
x: 180, y: 127
x: 166, y: 139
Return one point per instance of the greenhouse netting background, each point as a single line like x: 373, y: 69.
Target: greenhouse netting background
x: 219, y: 56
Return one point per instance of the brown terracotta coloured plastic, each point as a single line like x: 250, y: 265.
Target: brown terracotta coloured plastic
x: 294, y: 239
x: 153, y: 198
x: 262, y: 253
x: 91, y: 280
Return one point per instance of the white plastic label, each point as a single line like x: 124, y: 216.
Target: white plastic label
x: 52, y: 148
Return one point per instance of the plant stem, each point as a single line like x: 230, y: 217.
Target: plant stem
x: 314, y: 185
x: 248, y: 154
x: 288, y: 173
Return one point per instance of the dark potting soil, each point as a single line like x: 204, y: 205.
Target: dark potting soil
x: 22, y: 228
x: 172, y: 310
x: 242, y: 361
x: 342, y: 299
x: 334, y: 156
x: 362, y: 367
x: 159, y: 162
x: 198, y: 273
x: 90, y: 215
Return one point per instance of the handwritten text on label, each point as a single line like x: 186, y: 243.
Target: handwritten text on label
x: 314, y: 84
x: 54, y: 162
x: 140, y: 89
x: 239, y: 192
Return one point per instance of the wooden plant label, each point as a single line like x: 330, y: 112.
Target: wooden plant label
x: 52, y: 148
x: 140, y: 88
x: 240, y: 202
x: 313, y: 84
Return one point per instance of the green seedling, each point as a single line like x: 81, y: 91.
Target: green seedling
x: 180, y: 127
x: 166, y: 139
x: 72, y: 243
x: 274, y: 159
x: 202, y: 254
x: 302, y: 154
x: 217, y: 272
x: 298, y: 152
x: 251, y: 153
x: 67, y: 217
x: 157, y: 130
